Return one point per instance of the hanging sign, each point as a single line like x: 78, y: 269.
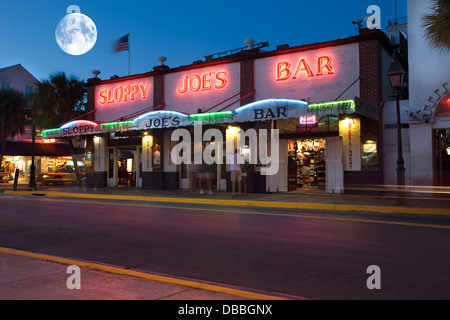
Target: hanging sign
x: 271, y: 109
x: 80, y: 127
x: 161, y: 119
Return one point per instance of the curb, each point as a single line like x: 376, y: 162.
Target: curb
x: 148, y: 276
x: 254, y: 203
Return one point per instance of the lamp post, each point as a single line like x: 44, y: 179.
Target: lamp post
x: 32, y: 184
x: 396, y: 75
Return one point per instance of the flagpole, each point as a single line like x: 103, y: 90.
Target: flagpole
x: 129, y: 54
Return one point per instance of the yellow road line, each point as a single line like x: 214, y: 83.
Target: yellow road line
x: 254, y: 203
x: 145, y: 276
x: 298, y: 215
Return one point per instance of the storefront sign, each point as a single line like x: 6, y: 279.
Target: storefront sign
x: 286, y: 70
x: 123, y: 93
x: 332, y: 108
x: 308, y: 120
x: 271, y: 109
x: 161, y: 119
x: 203, y: 82
x: 80, y: 127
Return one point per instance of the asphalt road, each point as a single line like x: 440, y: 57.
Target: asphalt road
x: 317, y: 255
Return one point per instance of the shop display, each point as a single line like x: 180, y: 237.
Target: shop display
x: 306, y: 164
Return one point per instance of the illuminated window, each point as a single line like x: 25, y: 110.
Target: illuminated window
x: 369, y: 152
x: 443, y: 107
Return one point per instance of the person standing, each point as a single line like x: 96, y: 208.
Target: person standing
x: 236, y: 172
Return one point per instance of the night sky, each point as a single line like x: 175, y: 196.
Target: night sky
x: 182, y: 31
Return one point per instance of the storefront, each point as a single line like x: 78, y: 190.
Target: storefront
x: 51, y: 157
x: 276, y: 108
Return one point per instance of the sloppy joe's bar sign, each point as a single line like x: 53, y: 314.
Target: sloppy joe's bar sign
x: 119, y: 93
x: 81, y: 127
x: 203, y: 82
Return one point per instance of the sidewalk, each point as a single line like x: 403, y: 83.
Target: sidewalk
x: 31, y: 276
x: 424, y: 201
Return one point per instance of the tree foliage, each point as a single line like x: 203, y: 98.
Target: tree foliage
x: 12, y: 113
x: 59, y: 99
x: 436, y: 25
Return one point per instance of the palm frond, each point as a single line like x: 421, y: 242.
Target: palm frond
x: 436, y: 25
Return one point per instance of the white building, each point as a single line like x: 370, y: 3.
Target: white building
x: 429, y: 104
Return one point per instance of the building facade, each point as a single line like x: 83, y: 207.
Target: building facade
x: 429, y: 104
x: 49, y: 154
x: 322, y: 102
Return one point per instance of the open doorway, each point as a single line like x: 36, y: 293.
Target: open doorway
x: 306, y: 164
x: 442, y: 157
x: 126, y: 168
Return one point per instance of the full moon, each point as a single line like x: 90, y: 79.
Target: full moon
x: 76, y: 34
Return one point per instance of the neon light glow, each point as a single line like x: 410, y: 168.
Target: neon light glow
x: 124, y: 93
x: 211, y: 114
x: 79, y: 123
x: 204, y: 82
x: 271, y: 102
x: 45, y: 133
x: 286, y: 70
x: 159, y: 113
x: 332, y: 107
x: 308, y: 120
x: 117, y: 123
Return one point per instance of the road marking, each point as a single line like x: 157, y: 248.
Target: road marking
x: 291, y: 215
x: 147, y: 276
x: 253, y: 203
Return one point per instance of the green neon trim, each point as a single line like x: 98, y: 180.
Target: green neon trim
x: 209, y: 114
x: 118, y: 123
x: 45, y: 132
x: 323, y: 104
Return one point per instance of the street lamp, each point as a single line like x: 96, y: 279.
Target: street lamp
x: 32, y: 184
x: 396, y: 75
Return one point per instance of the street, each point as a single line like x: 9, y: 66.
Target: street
x: 304, y: 253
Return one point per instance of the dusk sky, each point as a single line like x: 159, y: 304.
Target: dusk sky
x: 182, y: 31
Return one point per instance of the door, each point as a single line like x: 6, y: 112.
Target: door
x: 334, y: 167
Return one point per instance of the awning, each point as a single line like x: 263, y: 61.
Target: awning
x: 262, y: 110
x: 21, y: 148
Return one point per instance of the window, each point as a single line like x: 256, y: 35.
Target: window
x: 369, y: 153
x: 28, y: 90
x: 5, y: 85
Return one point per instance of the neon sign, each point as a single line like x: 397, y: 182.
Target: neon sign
x: 124, y: 93
x: 79, y: 127
x: 204, y: 82
x: 307, y: 120
x: 285, y: 70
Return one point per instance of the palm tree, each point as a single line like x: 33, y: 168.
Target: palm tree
x: 58, y: 100
x: 436, y: 25
x: 12, y: 112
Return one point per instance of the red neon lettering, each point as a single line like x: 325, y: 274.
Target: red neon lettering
x: 195, y: 83
x: 123, y: 93
x: 126, y: 92
x: 303, y: 66
x: 118, y: 94
x: 134, y: 90
x: 103, y: 96
x: 283, y: 70
x: 223, y: 81
x: 324, y: 62
x: 205, y: 81
x: 144, y: 88
x: 110, y: 96
x: 185, y: 85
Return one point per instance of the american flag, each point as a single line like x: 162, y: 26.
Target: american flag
x: 122, y: 44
